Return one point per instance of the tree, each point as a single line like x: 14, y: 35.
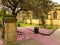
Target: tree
x: 46, y: 6
x: 41, y: 8
x: 33, y: 4
x: 16, y: 5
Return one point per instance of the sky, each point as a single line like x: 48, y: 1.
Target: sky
x: 58, y: 1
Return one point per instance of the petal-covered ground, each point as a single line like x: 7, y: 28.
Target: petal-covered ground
x: 53, y: 39
x: 25, y: 33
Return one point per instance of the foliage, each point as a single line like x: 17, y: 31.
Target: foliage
x: 1, y: 14
x: 16, y: 5
x: 37, y: 6
x: 8, y: 13
x: 41, y: 7
x: 46, y: 7
x: 42, y: 19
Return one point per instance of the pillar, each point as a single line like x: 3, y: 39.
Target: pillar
x: 10, y: 37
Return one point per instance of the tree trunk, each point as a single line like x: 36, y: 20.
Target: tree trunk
x: 43, y: 20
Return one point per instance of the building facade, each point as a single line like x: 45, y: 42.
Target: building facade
x: 53, y: 17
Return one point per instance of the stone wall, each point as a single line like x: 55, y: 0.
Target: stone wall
x: 48, y: 22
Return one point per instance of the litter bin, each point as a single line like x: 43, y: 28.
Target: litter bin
x: 36, y: 30
x: 18, y: 25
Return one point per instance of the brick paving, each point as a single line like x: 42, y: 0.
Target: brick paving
x: 27, y: 33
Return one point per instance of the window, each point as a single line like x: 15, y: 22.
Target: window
x: 55, y: 15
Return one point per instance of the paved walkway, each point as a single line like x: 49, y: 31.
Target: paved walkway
x: 53, y: 39
x: 26, y: 36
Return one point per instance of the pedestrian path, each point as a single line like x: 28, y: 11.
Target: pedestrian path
x: 56, y: 34
x: 30, y: 42
x: 41, y: 30
x: 26, y: 33
x: 46, y: 40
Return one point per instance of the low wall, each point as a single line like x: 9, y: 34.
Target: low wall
x: 34, y: 21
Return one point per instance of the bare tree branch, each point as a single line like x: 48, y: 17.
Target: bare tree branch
x: 20, y: 10
x: 15, y: 4
x: 10, y: 3
x: 9, y: 7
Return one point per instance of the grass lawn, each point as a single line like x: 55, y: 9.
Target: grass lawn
x: 24, y: 24
x: 47, y: 27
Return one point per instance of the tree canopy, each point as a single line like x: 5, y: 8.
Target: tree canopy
x: 16, y: 5
x: 41, y: 8
x: 37, y: 6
